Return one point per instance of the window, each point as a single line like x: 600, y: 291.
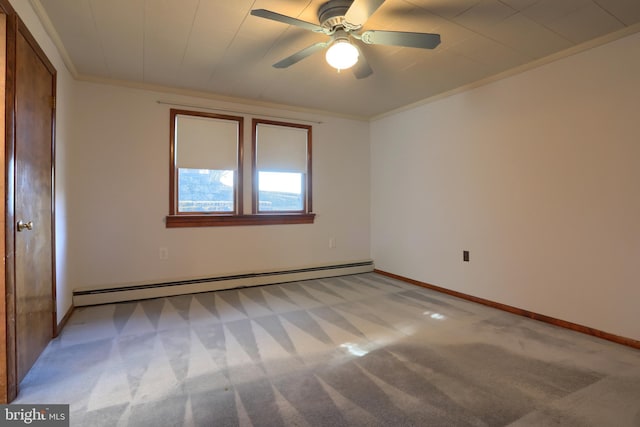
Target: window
x: 206, y: 163
x: 281, y: 164
x: 206, y: 180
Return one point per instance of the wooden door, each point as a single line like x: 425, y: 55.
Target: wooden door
x: 34, y: 260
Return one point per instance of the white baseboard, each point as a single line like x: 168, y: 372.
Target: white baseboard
x: 94, y: 296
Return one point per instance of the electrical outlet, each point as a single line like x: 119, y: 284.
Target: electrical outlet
x: 465, y: 256
x: 332, y: 242
x: 164, y: 253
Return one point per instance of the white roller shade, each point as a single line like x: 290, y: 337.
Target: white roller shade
x: 206, y: 143
x: 281, y: 148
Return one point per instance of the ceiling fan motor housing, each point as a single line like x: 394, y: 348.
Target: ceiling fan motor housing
x: 331, y: 14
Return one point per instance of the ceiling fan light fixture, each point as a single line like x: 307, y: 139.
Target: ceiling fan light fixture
x: 342, y: 55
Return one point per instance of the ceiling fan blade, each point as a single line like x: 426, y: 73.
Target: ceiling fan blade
x: 362, y: 68
x: 267, y: 14
x: 399, y: 38
x: 299, y: 56
x: 361, y: 10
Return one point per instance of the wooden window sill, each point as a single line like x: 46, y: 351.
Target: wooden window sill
x: 180, y: 221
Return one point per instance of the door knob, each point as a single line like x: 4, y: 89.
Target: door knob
x: 25, y: 225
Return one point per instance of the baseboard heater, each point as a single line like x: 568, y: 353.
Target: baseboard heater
x: 93, y: 296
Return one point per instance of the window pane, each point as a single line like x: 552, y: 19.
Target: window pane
x: 205, y: 190
x: 280, y: 191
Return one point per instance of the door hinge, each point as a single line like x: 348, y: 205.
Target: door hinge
x: 53, y: 102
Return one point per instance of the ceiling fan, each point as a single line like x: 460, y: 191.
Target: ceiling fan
x: 342, y: 20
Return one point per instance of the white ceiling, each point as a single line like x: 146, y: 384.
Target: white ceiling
x: 217, y: 47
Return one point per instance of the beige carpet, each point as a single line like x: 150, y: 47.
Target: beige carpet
x: 361, y: 350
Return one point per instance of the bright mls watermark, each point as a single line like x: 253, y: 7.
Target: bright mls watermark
x: 34, y: 415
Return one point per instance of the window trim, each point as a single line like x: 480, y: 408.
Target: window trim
x: 181, y: 221
x: 307, y: 208
x: 173, y: 172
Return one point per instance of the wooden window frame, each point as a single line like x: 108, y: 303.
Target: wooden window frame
x: 238, y: 218
x: 307, y: 178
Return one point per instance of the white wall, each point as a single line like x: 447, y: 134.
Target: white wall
x: 537, y: 175
x: 119, y: 198
x: 64, y: 123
